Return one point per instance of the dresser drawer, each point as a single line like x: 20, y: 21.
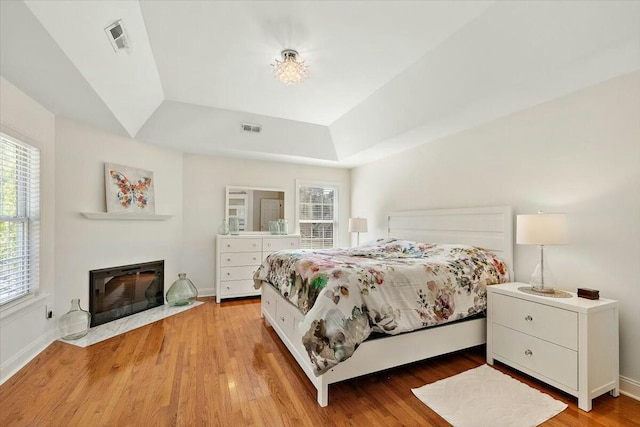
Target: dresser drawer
x: 278, y: 244
x: 240, y: 245
x: 237, y: 273
x: 237, y: 259
x: 237, y: 288
x: 552, y: 361
x: 542, y: 321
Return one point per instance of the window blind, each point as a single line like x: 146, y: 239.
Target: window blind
x: 19, y: 218
x: 317, y: 216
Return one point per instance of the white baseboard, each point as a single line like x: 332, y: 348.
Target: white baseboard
x: 206, y: 292
x: 17, y: 362
x: 630, y: 387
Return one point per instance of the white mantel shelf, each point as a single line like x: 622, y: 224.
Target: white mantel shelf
x: 125, y: 216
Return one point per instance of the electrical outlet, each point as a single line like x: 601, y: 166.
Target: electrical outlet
x: 48, y: 314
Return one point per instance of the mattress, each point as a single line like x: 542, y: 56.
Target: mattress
x: 390, y: 286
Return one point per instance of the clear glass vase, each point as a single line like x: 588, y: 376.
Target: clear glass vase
x: 223, y: 228
x: 182, y: 292
x: 75, y: 323
x: 234, y: 226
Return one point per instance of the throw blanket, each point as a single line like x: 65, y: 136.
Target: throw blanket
x: 392, y: 286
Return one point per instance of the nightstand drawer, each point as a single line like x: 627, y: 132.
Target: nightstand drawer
x: 240, y: 245
x: 552, y: 361
x: 236, y: 259
x: 542, y: 321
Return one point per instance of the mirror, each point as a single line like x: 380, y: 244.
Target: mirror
x: 254, y: 207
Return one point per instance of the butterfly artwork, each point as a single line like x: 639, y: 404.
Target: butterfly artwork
x: 129, y: 189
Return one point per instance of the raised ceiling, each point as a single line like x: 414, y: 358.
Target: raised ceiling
x: 385, y: 75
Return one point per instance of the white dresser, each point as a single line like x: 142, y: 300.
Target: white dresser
x: 238, y: 257
x: 569, y: 343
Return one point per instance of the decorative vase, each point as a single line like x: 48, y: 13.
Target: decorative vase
x: 75, y: 324
x: 224, y: 227
x: 283, y: 226
x: 182, y: 292
x: 234, y: 226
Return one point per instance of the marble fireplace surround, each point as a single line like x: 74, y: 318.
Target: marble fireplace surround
x: 129, y: 323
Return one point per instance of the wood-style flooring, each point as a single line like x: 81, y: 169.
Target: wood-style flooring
x: 221, y: 365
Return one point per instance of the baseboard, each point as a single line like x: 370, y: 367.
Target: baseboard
x: 630, y: 387
x: 17, y: 362
x: 206, y: 292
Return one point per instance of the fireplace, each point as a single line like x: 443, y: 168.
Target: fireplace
x: 121, y: 291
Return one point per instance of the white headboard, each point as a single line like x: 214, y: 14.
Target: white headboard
x: 490, y: 228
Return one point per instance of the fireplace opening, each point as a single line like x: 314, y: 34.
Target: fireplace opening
x: 118, y: 292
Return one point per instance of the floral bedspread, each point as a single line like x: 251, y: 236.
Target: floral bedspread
x: 391, y: 286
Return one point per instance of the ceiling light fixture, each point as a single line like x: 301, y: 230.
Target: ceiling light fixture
x: 290, y: 71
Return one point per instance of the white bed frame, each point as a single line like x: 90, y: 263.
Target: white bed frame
x: 490, y: 228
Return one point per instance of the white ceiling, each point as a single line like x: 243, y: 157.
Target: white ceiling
x: 385, y: 75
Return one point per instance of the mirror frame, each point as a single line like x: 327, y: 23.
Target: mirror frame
x: 244, y: 187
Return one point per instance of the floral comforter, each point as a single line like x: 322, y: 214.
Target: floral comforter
x: 391, y: 286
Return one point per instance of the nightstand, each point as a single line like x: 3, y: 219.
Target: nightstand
x: 569, y: 343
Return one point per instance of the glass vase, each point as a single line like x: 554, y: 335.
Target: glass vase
x: 234, y: 226
x: 224, y: 227
x: 75, y: 323
x: 182, y: 292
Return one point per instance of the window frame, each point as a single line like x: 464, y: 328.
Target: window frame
x: 336, y: 187
x: 28, y: 213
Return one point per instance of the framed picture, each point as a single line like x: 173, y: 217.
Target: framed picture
x: 128, y: 189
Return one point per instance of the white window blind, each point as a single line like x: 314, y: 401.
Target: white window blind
x: 317, y: 213
x: 19, y: 218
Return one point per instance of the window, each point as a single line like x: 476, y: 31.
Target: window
x: 317, y: 213
x: 19, y: 218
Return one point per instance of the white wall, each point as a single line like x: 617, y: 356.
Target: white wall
x: 83, y: 244
x: 24, y: 330
x: 579, y: 154
x: 205, y: 179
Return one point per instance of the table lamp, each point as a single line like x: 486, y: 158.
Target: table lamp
x: 541, y: 229
x: 358, y: 225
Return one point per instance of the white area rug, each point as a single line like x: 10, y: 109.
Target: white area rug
x: 129, y: 323
x: 484, y: 396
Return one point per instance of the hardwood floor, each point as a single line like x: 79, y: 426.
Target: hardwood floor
x: 220, y: 365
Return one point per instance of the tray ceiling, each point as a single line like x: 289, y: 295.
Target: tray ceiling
x: 385, y: 75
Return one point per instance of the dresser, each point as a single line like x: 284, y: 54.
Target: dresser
x: 238, y: 257
x: 569, y: 343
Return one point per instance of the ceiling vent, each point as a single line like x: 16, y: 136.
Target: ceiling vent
x: 248, y: 127
x: 117, y: 36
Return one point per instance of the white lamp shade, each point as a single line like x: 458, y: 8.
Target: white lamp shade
x: 357, y: 225
x: 541, y: 229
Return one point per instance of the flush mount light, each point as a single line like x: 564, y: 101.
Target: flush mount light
x: 290, y: 71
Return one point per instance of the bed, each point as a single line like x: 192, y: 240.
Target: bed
x: 489, y: 228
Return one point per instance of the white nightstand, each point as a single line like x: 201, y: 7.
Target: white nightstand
x: 569, y: 343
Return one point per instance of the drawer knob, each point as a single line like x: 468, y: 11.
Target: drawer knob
x: 228, y: 245
x: 528, y: 352
x: 528, y: 319
x: 268, y: 302
x: 282, y: 319
x: 254, y: 245
x: 228, y: 274
x: 254, y: 258
x: 228, y: 259
x: 228, y: 287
